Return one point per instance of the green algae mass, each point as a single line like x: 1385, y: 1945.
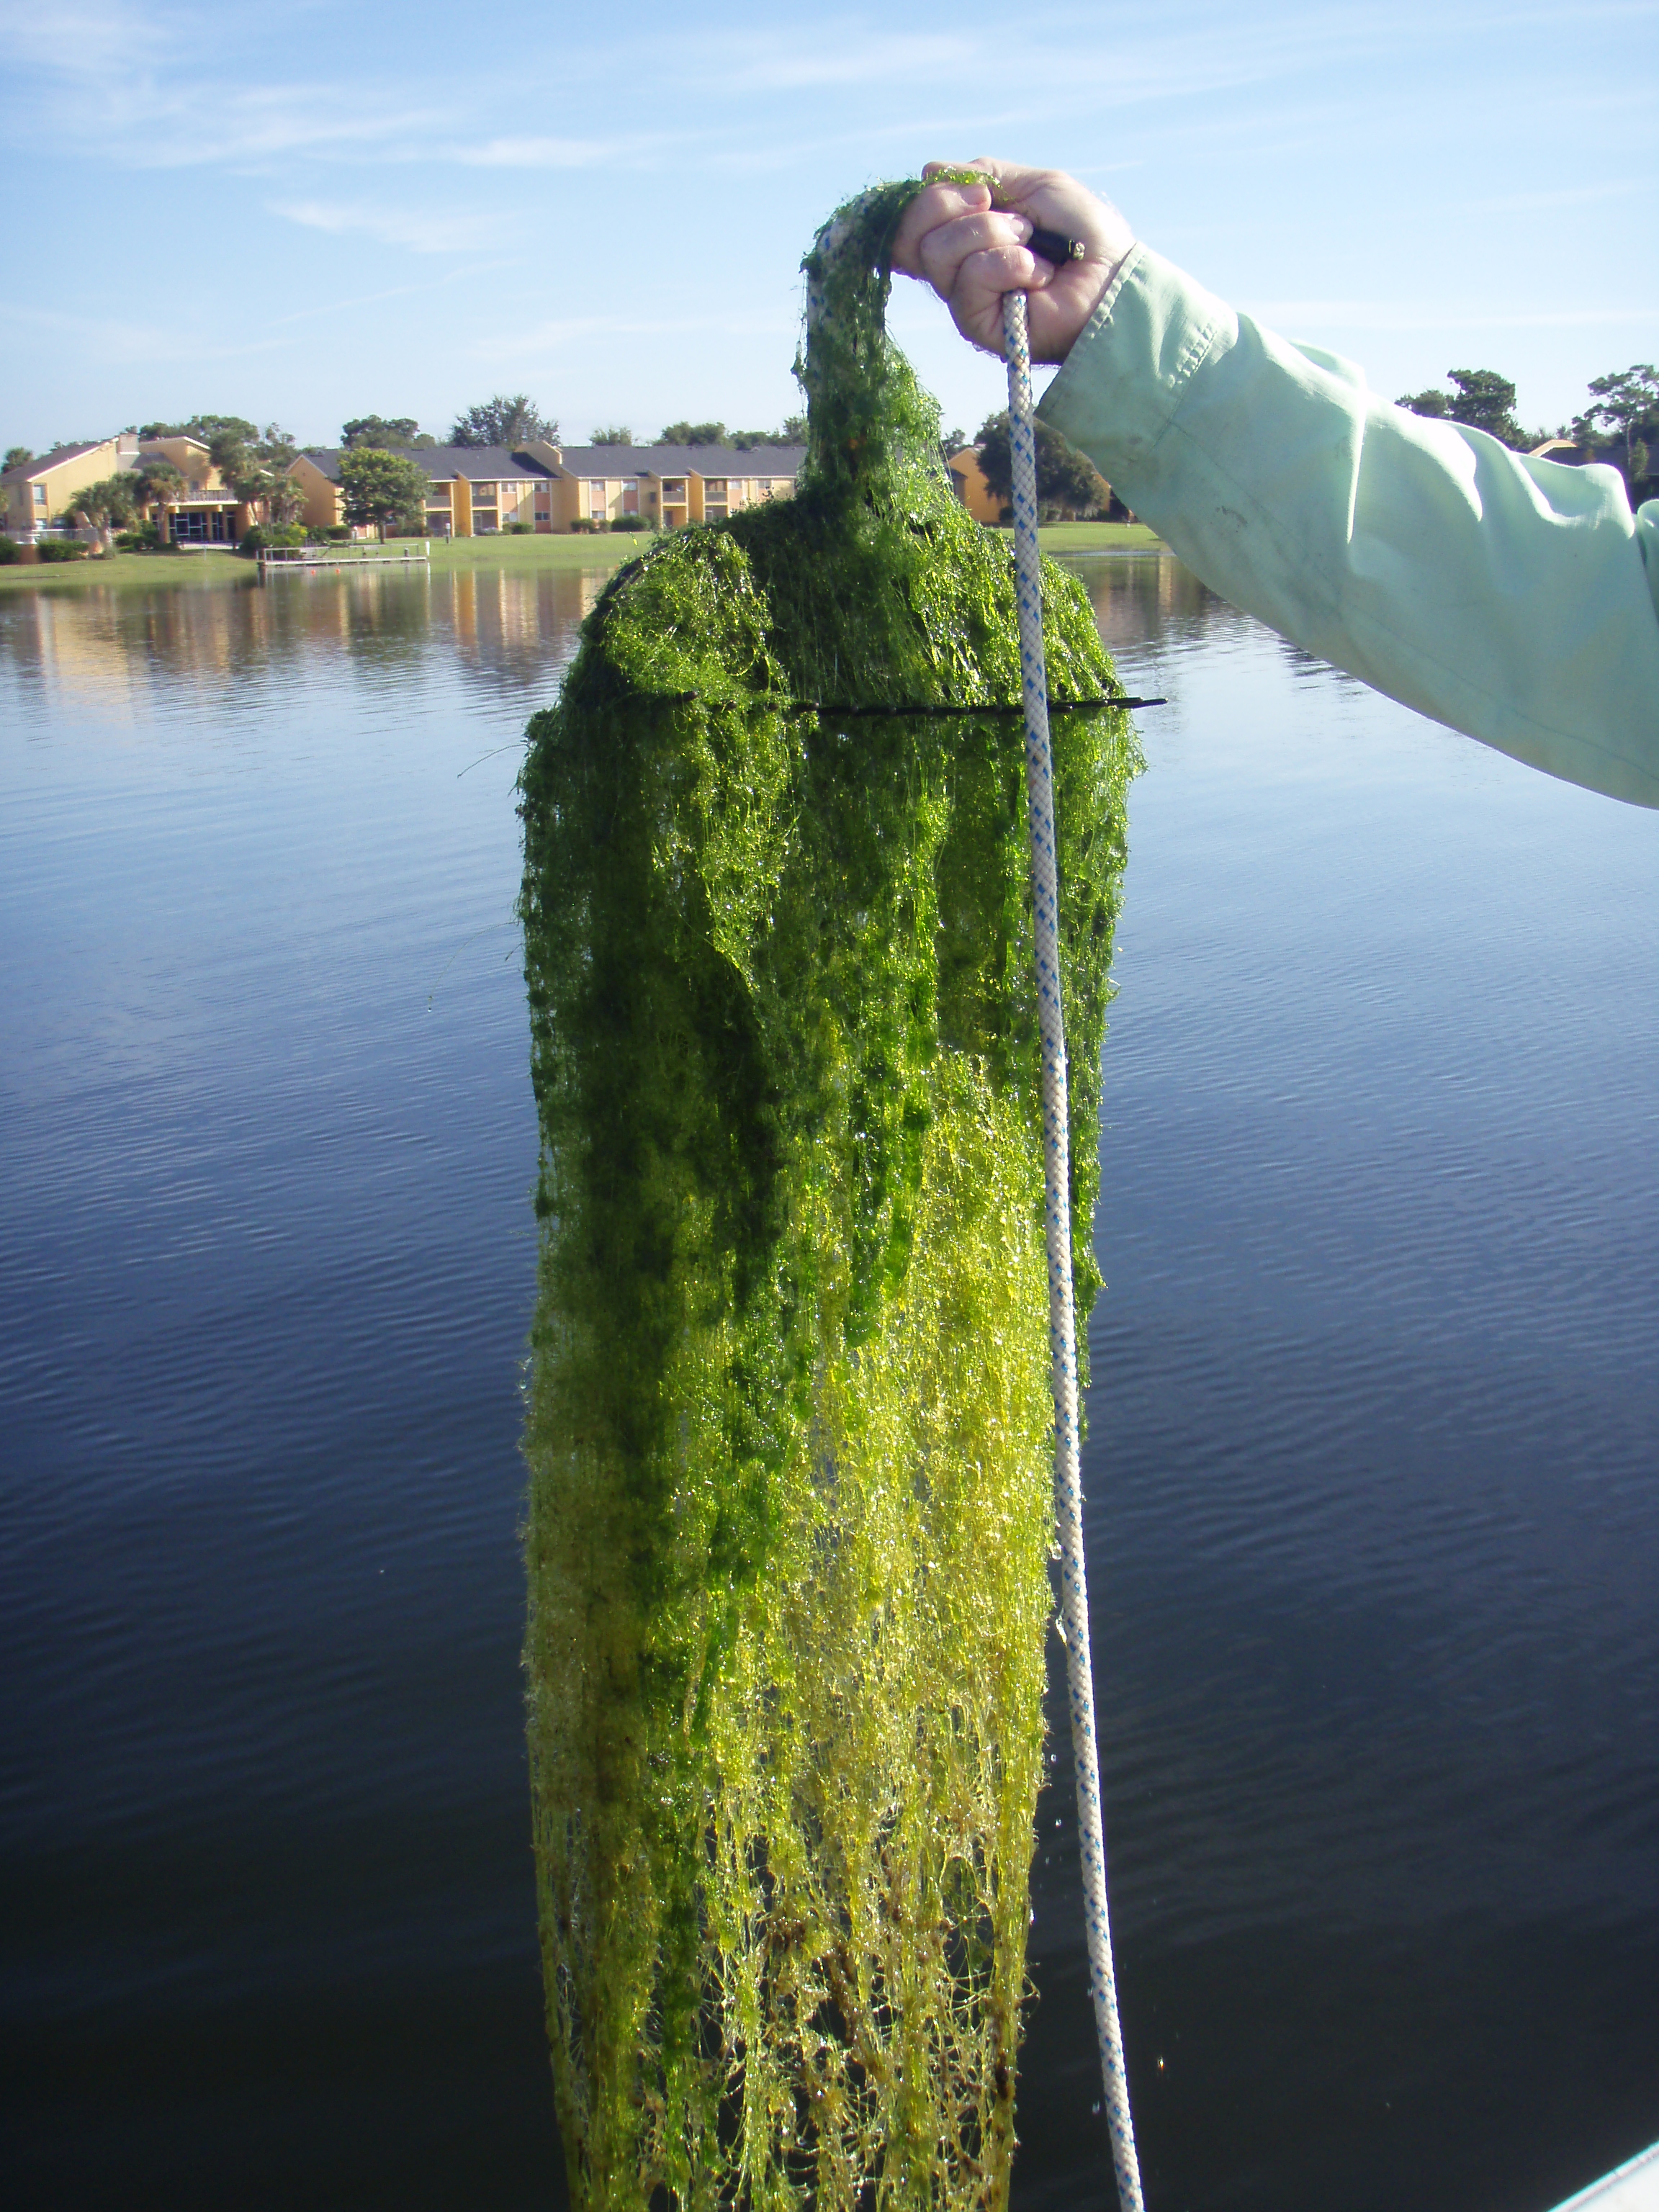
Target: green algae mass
x: 789, y: 1425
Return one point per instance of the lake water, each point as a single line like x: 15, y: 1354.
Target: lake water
x: 1373, y: 1464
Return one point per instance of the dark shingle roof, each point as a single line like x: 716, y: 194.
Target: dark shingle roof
x: 681, y: 460
x: 491, y: 463
x: 25, y: 470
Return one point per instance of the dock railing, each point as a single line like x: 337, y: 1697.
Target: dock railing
x: 401, y: 553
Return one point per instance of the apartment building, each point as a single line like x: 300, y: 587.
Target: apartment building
x: 668, y: 485
x: 968, y: 481
x: 473, y: 490
x: 40, y: 495
x: 470, y: 490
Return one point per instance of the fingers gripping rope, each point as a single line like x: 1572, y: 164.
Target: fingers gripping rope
x: 1062, y: 1329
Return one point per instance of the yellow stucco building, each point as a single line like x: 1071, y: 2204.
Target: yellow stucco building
x: 473, y: 490
x: 40, y: 495
x: 967, y: 479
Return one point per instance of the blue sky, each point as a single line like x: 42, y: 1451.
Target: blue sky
x: 303, y: 212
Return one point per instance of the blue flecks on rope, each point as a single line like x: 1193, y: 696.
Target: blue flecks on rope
x: 1062, y: 1323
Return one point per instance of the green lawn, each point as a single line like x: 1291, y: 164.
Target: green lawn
x: 187, y: 569
x: 192, y: 570
x: 1099, y: 538
x: 600, y: 552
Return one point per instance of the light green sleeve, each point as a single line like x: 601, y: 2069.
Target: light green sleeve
x: 1516, y: 599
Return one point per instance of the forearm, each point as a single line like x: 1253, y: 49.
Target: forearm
x: 1504, y: 596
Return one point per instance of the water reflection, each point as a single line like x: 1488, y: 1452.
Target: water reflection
x: 111, y: 646
x: 1373, y: 1524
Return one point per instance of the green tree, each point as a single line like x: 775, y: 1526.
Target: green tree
x: 286, y: 499
x: 398, y: 433
x: 207, y: 428
x: 107, y: 506
x: 791, y: 432
x: 616, y: 434
x: 235, y: 459
x: 693, y: 433
x: 158, y: 484
x: 1066, y: 478
x: 277, y: 446
x: 381, y: 487
x: 17, y: 456
x: 266, y: 485
x: 1626, y: 402
x: 503, y: 421
x: 1483, y: 400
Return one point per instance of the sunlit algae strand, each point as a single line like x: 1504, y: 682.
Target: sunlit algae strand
x: 789, y: 1420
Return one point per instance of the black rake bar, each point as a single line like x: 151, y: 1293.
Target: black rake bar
x: 836, y: 710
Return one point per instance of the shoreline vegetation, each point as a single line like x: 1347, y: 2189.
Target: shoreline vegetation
x: 593, y: 553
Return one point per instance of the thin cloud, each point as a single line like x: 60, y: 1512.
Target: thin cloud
x: 845, y: 54
x: 1406, y: 315
x: 1568, y: 196
x: 559, y: 153
x: 116, y: 340
x: 553, y: 337
x: 420, y: 232
x: 78, y: 42
x: 359, y: 300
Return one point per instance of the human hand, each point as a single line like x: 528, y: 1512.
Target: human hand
x: 971, y: 252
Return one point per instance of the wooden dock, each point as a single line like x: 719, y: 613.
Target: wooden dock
x: 416, y: 554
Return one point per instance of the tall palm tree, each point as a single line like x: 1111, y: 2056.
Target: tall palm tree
x: 162, y: 486
x: 107, y: 507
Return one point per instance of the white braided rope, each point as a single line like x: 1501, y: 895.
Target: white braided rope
x: 1062, y: 1321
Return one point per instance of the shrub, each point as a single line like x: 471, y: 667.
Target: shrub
x: 9, y: 549
x: 61, y: 548
x: 583, y: 527
x: 629, y: 522
x: 519, y: 529
x: 338, y: 533
x: 266, y: 534
x: 145, y: 538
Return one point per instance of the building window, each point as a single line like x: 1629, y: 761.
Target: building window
x: 766, y: 487
x: 630, y: 496
x: 40, y: 495
x: 596, y: 499
x: 674, y: 490
x: 714, y: 487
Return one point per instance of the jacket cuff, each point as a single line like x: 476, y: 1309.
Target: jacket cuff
x: 1125, y: 376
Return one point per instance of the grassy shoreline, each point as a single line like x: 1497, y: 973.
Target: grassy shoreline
x: 595, y: 554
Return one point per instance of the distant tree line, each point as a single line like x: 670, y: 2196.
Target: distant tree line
x: 792, y: 431
x: 401, y: 434
x: 1620, y: 426
x: 509, y: 420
